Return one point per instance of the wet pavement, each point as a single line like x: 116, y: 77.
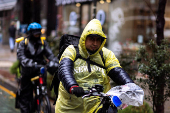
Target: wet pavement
x: 6, y: 61
x: 6, y: 55
x: 7, y: 103
x: 8, y: 83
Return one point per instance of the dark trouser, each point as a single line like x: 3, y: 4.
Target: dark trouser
x: 26, y: 97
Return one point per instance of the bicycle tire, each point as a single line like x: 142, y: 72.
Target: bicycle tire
x: 44, y: 105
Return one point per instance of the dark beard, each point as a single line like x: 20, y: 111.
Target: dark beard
x: 91, y: 52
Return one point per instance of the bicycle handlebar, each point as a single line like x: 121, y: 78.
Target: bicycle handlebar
x: 42, y: 71
x: 39, y: 66
x: 35, y: 78
x: 120, y: 97
x: 96, y: 90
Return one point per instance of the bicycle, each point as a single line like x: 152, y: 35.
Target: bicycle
x: 41, y: 99
x: 97, y: 90
x: 111, y: 101
x: 40, y: 103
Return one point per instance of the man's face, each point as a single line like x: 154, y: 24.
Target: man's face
x: 93, y: 43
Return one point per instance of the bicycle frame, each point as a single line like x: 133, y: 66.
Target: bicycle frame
x: 40, y: 89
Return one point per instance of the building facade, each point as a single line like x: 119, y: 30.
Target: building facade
x: 7, y: 14
x: 24, y: 12
x: 126, y: 23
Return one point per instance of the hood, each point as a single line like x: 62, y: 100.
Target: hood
x: 93, y: 27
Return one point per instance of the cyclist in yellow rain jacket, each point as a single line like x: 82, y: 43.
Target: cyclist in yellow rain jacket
x: 77, y: 75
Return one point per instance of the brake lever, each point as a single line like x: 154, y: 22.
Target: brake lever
x: 87, y: 95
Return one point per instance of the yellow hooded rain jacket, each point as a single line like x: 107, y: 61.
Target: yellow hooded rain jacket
x: 69, y: 103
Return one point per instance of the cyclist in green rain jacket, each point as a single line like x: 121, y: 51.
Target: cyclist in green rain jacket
x: 77, y: 75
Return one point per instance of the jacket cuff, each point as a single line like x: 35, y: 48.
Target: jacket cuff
x: 72, y: 88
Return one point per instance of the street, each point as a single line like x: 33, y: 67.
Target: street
x: 7, y: 104
x: 7, y: 92
x: 7, y: 96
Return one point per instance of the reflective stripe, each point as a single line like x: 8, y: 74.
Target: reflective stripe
x: 18, y: 40
x: 8, y: 91
x: 26, y: 41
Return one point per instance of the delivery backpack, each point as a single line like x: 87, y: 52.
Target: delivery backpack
x: 65, y: 41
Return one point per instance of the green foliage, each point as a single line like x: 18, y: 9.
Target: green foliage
x: 54, y: 44
x: 145, y: 108
x: 154, y: 61
x: 128, y: 63
x: 49, y: 80
x: 14, y: 69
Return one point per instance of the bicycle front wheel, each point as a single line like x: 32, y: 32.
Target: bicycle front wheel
x: 44, y: 105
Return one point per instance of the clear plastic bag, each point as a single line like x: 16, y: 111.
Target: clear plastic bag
x: 129, y: 94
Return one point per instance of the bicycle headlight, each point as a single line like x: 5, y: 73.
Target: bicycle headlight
x: 116, y: 101
x: 42, y: 70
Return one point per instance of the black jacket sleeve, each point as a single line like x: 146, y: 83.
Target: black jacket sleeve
x: 65, y: 73
x: 119, y: 76
x: 26, y: 62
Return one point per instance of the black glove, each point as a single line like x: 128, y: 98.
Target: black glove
x: 52, y: 67
x: 43, y: 62
x: 78, y: 91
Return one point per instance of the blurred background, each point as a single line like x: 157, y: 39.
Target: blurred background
x: 127, y: 24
